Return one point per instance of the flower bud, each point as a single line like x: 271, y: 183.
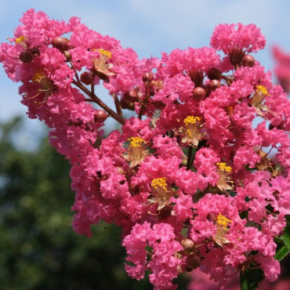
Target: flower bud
x: 131, y: 96
x: 199, y: 93
x: 134, y: 189
x: 236, y: 55
x: 127, y: 105
x: 180, y: 269
x: 248, y: 60
x: 188, y: 245
x: 35, y: 50
x: 214, y: 84
x: 26, y: 56
x: 214, y: 73
x: 196, y: 77
x: 147, y: 77
x: 100, y: 116
x: 67, y: 55
x: 165, y: 212
x: 192, y: 262
x: 159, y: 105
x: 102, y: 76
x: 211, y: 217
x: 87, y: 78
x: 60, y: 43
x: 279, y: 127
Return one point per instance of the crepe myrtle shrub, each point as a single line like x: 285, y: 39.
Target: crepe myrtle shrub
x: 189, y: 179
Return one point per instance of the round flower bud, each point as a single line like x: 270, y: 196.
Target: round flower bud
x: 214, y: 73
x: 147, y: 77
x: 35, y: 50
x: 87, y: 78
x: 248, y: 60
x: 196, y: 77
x: 236, y: 55
x: 100, y: 116
x: 26, y: 56
x: 165, y: 212
x: 188, y: 245
x: 131, y: 96
x: 180, y: 269
x: 159, y: 105
x: 214, y: 84
x: 281, y: 126
x: 192, y: 262
x: 60, y: 43
x: 102, y: 76
x: 127, y: 105
x: 134, y: 189
x: 199, y: 93
x: 211, y: 217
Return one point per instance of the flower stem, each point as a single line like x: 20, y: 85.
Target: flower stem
x: 99, y: 102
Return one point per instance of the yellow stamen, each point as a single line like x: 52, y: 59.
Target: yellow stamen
x: 39, y: 74
x: 222, y: 166
x: 136, y: 141
x: 105, y: 52
x: 222, y: 220
x: 20, y: 39
x: 158, y: 84
x: 191, y: 120
x: 159, y: 182
x: 262, y: 89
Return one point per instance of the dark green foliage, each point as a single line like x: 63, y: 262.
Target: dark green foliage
x: 39, y: 249
x: 251, y: 279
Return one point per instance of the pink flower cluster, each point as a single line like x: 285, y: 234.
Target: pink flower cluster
x: 189, y: 179
x: 282, y: 69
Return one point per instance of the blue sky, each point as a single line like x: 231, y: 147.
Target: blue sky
x: 149, y: 27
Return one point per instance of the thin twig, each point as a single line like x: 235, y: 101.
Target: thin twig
x: 117, y: 105
x: 144, y: 103
x: 189, y: 158
x: 76, y: 74
x: 99, y: 102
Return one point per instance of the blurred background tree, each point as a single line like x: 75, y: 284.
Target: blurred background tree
x: 38, y: 247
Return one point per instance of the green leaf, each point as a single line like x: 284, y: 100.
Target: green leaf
x: 251, y: 279
x: 286, y: 236
x: 284, y: 250
x: 282, y: 253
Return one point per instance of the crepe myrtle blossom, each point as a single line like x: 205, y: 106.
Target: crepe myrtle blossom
x: 189, y: 179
